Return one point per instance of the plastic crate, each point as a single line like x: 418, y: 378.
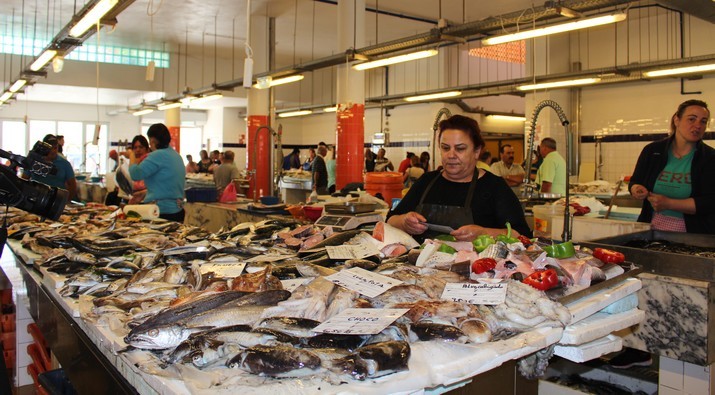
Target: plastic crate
x: 7, y: 322
x: 8, y: 340
x: 201, y: 195
x: 39, y: 357
x: 34, y: 331
x: 56, y: 382
x: 9, y: 356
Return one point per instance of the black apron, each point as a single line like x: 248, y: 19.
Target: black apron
x: 452, y: 216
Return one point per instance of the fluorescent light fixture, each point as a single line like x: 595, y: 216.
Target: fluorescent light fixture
x: 43, y: 59
x: 558, y: 84
x: 205, y: 98
x: 396, y: 59
x: 564, y: 27
x: 295, y: 113
x: 507, y: 117
x: 17, y: 85
x: 92, y: 17
x: 330, y: 109
x: 433, y: 96
x: 187, y: 99
x: 278, y: 81
x: 143, y: 111
x: 5, y: 96
x: 168, y: 105
x: 681, y: 70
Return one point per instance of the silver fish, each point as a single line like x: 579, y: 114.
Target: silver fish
x: 298, y: 327
x: 276, y: 361
x: 160, y: 338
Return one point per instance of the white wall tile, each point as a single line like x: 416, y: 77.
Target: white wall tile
x: 696, y: 379
x: 670, y: 374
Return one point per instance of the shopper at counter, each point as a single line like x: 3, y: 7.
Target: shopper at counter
x: 191, y: 166
x: 551, y: 176
x: 674, y: 176
x: 140, y: 149
x: 320, y: 172
x: 308, y: 165
x: 406, y: 163
x: 412, y: 173
x: 292, y: 160
x: 382, y: 163
x: 472, y: 201
x: 226, y: 173
x: 164, y: 174
x: 205, y: 161
x: 484, y: 159
x: 369, y: 160
x: 424, y: 161
x: 64, y: 177
x: 512, y: 173
x: 330, y: 166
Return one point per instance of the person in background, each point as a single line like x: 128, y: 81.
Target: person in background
x: 292, y: 160
x: 484, y: 158
x: 330, y: 166
x: 308, y: 165
x: 470, y: 200
x: 61, y: 145
x: 205, y: 162
x: 424, y: 161
x: 226, y: 173
x: 369, y: 160
x: 382, y: 163
x: 551, y: 176
x: 140, y: 150
x: 674, y: 177
x: 215, y: 160
x: 320, y: 172
x: 406, y: 163
x: 191, y: 166
x: 536, y: 161
x: 512, y: 173
x: 110, y: 181
x: 412, y: 173
x: 64, y: 178
x: 164, y: 174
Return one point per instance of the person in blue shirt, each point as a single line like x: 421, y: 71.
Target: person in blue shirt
x: 163, y: 173
x: 64, y: 178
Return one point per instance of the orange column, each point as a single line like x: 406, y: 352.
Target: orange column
x: 258, y: 146
x: 172, y: 117
x: 350, y: 128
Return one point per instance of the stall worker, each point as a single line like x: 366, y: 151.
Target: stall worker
x: 551, y: 176
x: 382, y: 163
x: 472, y: 201
x: 292, y: 160
x: 163, y: 173
x: 675, y: 177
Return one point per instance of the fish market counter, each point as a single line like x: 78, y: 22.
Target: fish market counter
x: 215, y: 216
x: 91, y: 191
x: 91, y: 359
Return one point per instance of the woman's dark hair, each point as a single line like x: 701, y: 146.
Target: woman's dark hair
x: 160, y: 132
x: 142, y: 141
x: 465, y: 124
x: 681, y: 109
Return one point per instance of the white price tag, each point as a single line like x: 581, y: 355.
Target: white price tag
x: 362, y: 281
x: 351, y: 251
x: 292, y: 284
x: 475, y: 293
x: 224, y: 269
x: 360, y: 321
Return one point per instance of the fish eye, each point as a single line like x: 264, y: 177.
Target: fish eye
x: 153, y: 333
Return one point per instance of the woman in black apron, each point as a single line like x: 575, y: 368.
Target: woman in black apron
x: 471, y: 201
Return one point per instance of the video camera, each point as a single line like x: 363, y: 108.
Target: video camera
x: 31, y: 196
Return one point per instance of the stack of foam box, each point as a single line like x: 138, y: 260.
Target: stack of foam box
x: 23, y: 360
x: 7, y: 329
x: 40, y: 356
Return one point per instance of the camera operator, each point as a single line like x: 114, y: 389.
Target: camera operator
x: 65, y: 175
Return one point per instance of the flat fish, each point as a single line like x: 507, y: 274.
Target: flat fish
x: 276, y: 361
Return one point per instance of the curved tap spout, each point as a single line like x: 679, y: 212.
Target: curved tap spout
x: 253, y: 172
x: 442, y: 113
x: 566, y: 235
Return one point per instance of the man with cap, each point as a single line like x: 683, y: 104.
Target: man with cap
x: 64, y: 178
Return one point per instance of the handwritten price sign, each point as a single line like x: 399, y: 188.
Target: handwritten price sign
x: 475, y: 293
x: 362, y: 281
x: 360, y: 321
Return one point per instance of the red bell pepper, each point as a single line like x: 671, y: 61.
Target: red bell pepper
x: 543, y: 279
x: 608, y: 256
x: 483, y: 265
x: 524, y: 240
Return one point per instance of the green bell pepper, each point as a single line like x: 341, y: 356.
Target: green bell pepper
x: 482, y: 242
x: 446, y: 238
x: 560, y: 251
x: 447, y: 249
x: 507, y: 237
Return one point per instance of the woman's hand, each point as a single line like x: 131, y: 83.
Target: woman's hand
x: 639, y: 191
x: 468, y: 232
x: 659, y: 202
x: 412, y: 223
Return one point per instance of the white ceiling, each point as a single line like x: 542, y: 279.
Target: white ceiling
x: 308, y: 24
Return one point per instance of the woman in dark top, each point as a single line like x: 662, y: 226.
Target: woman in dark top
x: 205, y: 161
x: 675, y: 177
x: 471, y: 201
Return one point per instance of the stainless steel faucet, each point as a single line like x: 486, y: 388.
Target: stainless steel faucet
x: 528, y: 186
x: 442, y: 113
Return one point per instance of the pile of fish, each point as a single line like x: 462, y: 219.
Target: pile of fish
x: 154, y: 286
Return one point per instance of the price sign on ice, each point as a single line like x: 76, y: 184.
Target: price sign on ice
x: 224, y: 269
x: 475, y: 293
x: 362, y: 281
x: 360, y: 321
x: 292, y: 284
x: 357, y: 251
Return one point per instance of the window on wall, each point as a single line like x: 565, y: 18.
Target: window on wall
x: 72, y: 149
x: 13, y: 137
x: 190, y: 143
x: 96, y: 154
x: 38, y: 130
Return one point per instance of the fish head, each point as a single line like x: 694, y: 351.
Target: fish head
x: 158, y: 338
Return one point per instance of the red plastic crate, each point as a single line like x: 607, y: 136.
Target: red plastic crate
x: 34, y: 331
x: 8, y: 340
x: 34, y: 373
x: 6, y: 296
x: 9, y: 357
x: 7, y: 321
x: 39, y: 357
